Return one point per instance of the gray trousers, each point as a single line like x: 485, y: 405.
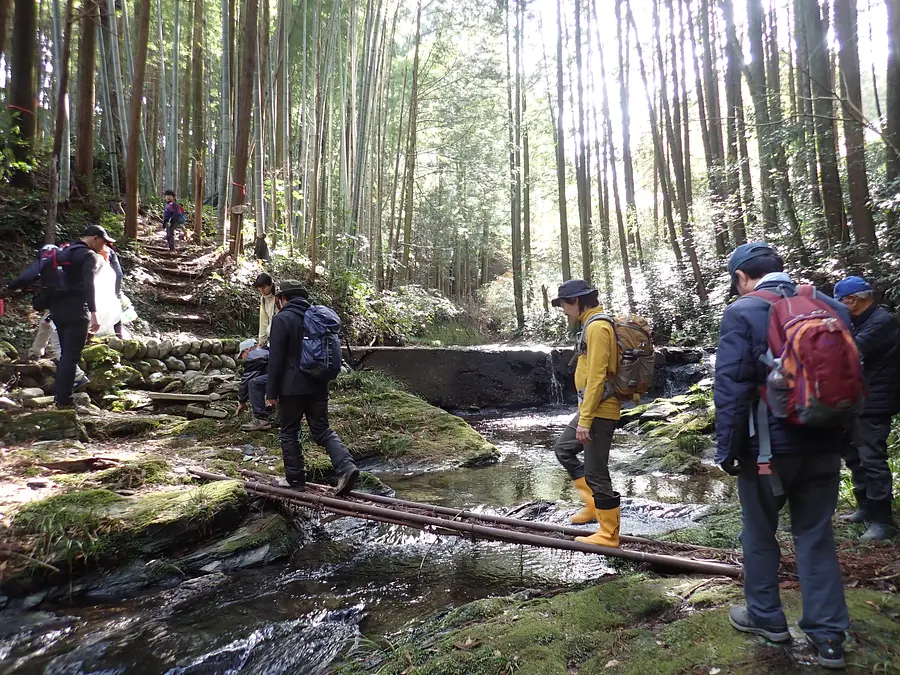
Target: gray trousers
x: 810, y: 484
x: 867, y: 458
x: 595, y: 468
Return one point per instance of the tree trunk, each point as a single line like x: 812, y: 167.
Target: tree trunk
x: 184, y: 170
x: 65, y: 151
x: 892, y: 95
x: 628, y: 166
x: 21, y: 92
x: 61, y: 128
x: 581, y: 170
x: 561, y: 150
x: 134, y: 138
x: 845, y: 19
x: 411, y: 152
x: 242, y: 128
x: 199, y: 131
x: 611, y: 154
x: 5, y: 14
x: 223, y: 148
x: 820, y: 77
x: 84, y: 130
x: 514, y: 104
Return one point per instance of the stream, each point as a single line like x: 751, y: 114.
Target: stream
x: 356, y: 580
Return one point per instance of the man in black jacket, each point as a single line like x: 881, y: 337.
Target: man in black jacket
x: 299, y: 395
x: 877, y: 335
x: 73, y: 311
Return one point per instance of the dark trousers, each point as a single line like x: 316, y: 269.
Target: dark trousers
x: 72, y: 325
x: 810, y: 485
x: 256, y: 390
x: 595, y: 467
x: 315, y: 409
x: 867, y: 458
x: 170, y: 234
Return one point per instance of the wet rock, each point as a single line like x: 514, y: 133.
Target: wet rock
x: 173, y: 387
x: 81, y: 398
x: 48, y: 425
x: 156, y: 366
x: 659, y: 410
x: 157, y: 381
x: 30, y: 392
x: 175, y: 364
x: 215, y: 362
x: 38, y: 483
x: 195, y: 347
x: 215, y: 347
x: 228, y: 362
x: 206, y: 346
x: 264, y: 538
x: 181, y: 349
x: 152, y: 349
x: 678, y: 462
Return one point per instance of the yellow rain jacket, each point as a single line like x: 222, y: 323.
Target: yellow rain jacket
x: 601, y: 359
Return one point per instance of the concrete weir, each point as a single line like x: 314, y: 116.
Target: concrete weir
x: 500, y: 376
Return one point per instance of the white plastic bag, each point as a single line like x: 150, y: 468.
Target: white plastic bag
x: 129, y: 313
x: 109, y: 309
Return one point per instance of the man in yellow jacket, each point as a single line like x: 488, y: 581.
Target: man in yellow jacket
x: 598, y: 413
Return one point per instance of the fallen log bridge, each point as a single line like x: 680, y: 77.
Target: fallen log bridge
x: 457, y: 522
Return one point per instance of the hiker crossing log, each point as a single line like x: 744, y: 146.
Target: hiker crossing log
x: 461, y: 523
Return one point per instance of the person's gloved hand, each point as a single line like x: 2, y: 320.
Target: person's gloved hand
x: 731, y: 466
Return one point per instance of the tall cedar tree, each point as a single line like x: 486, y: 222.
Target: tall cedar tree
x: 132, y: 171
x: 60, y: 126
x: 84, y: 131
x: 21, y: 101
x: 199, y: 90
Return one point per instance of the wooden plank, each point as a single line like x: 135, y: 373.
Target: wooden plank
x: 164, y: 396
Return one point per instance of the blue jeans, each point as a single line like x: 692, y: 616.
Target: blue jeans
x: 810, y: 484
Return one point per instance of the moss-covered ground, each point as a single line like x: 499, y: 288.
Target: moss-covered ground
x: 633, y: 625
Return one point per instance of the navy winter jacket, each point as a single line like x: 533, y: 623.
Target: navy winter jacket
x: 743, y: 338
x: 285, y: 345
x: 878, y: 338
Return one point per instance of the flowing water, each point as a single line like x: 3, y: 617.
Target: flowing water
x: 355, y: 581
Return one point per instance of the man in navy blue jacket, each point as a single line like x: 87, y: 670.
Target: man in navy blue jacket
x: 878, y: 338
x: 806, y: 461
x: 299, y: 395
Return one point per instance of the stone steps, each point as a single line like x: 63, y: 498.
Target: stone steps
x: 178, y: 318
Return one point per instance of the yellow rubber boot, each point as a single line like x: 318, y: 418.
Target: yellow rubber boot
x: 588, y: 513
x: 608, y: 534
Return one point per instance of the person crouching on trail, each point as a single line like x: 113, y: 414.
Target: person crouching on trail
x: 253, y: 385
x: 300, y: 394
x: 598, y: 414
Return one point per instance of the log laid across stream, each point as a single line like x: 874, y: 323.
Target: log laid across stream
x: 457, y: 522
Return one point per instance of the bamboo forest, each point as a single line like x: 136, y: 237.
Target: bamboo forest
x: 494, y: 148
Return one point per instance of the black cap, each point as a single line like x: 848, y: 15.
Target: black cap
x: 574, y: 288
x: 741, y: 255
x: 98, y: 231
x: 291, y: 288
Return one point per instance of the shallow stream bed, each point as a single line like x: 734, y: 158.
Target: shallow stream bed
x: 356, y: 580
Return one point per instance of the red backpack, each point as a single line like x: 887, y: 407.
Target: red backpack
x: 815, y: 373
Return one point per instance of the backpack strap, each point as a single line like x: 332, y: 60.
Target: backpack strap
x: 581, y: 340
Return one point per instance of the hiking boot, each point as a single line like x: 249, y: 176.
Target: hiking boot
x: 346, y: 482
x: 861, y: 514
x: 879, y: 532
x: 740, y: 620
x: 829, y: 653
x: 257, y: 425
x: 297, y: 486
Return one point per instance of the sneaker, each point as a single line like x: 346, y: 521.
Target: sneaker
x: 346, y: 482
x: 858, y: 516
x: 829, y: 653
x: 257, y: 425
x: 81, y: 384
x: 740, y: 620
x: 297, y: 486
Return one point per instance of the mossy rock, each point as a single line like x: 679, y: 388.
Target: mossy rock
x: 721, y: 529
x: 88, y: 528
x: 627, y: 626
x: 120, y: 426
x: 130, y: 349
x: 263, y: 539
x: 100, y: 356
x: 144, y: 368
x: 44, y: 425
x: 679, y: 463
x: 8, y: 351
x: 114, y: 377
x: 137, y: 474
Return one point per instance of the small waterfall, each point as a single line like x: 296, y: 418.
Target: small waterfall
x: 556, y: 388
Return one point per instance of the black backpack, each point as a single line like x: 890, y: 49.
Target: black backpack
x: 53, y: 264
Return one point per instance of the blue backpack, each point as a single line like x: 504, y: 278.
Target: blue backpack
x: 320, y: 356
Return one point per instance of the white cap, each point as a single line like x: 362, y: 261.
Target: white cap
x: 249, y: 343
